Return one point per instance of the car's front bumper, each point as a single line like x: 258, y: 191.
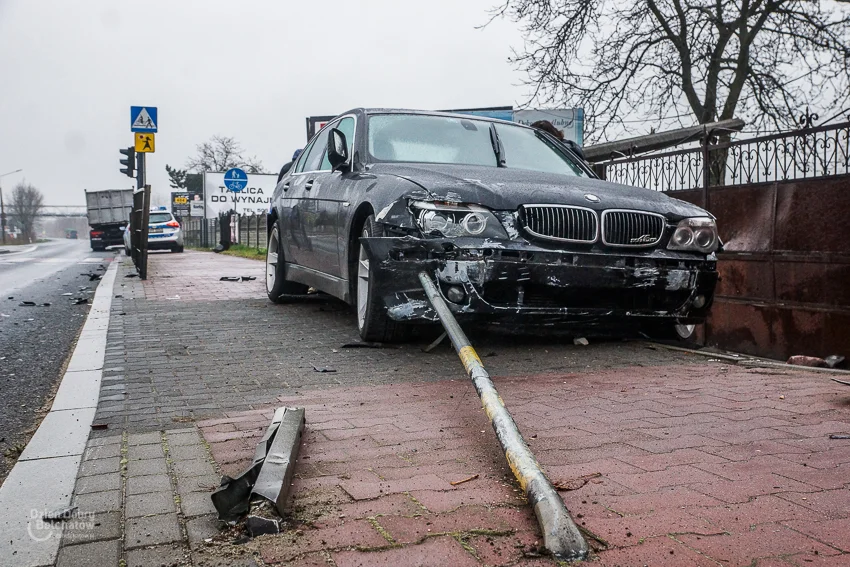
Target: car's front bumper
x: 525, y: 284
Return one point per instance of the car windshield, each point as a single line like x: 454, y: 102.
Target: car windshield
x: 464, y: 141
x: 159, y: 217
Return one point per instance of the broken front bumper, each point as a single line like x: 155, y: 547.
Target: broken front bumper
x: 531, y: 285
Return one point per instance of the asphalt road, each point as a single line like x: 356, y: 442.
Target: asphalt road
x: 35, y: 341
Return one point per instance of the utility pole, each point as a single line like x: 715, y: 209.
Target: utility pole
x: 3, y: 208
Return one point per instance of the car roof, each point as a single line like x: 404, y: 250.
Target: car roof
x: 369, y: 111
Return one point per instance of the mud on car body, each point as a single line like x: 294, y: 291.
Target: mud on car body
x: 514, y: 228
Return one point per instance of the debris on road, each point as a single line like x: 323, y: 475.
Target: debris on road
x: 812, y: 361
x: 99, y: 425
x: 456, y: 482
x: 845, y: 382
x: 60, y: 515
x: 580, y: 341
x: 323, y: 368
x: 839, y: 436
x: 92, y: 277
x: 270, y: 474
x: 26, y: 304
x: 79, y: 301
x: 257, y: 525
x: 131, y: 275
x: 67, y: 294
x: 575, y: 483
x: 237, y: 278
x: 834, y: 360
x: 367, y: 345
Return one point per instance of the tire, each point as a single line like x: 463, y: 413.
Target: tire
x: 177, y: 249
x: 127, y: 252
x: 372, y: 320
x: 276, y: 283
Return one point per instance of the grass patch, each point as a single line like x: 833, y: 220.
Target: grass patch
x: 241, y: 251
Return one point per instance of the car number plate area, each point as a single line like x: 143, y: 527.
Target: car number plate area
x: 154, y: 230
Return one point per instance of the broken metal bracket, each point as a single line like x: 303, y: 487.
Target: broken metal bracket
x: 270, y: 473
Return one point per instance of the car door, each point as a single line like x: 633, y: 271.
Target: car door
x: 299, y: 207
x: 326, y: 199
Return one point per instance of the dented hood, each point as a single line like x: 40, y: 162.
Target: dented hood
x: 506, y: 189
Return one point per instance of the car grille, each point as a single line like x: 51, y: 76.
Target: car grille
x: 631, y: 228
x: 558, y: 222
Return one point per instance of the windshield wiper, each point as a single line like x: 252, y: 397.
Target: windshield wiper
x: 498, y: 148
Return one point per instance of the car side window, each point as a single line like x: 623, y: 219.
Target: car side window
x: 317, y: 152
x: 346, y: 126
x: 302, y: 159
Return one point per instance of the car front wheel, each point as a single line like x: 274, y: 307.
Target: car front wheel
x: 277, y: 286
x: 372, y: 320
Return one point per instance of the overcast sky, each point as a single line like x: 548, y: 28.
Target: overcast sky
x: 252, y: 69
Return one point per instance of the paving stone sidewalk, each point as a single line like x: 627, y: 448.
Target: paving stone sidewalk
x: 672, y: 459
x: 679, y: 465
x: 141, y: 498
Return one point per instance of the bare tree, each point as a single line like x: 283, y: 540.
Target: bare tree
x: 27, y: 202
x: 221, y: 153
x: 676, y: 62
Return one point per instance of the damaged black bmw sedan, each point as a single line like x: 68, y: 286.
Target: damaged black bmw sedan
x: 514, y: 228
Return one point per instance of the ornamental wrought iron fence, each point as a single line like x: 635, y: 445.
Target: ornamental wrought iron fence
x: 822, y: 151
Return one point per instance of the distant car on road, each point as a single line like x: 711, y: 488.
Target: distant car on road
x: 515, y: 228
x: 164, y: 232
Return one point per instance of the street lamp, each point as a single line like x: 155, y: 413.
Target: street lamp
x: 3, y: 208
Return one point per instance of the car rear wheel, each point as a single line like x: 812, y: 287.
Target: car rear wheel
x: 277, y: 286
x: 372, y: 320
x: 177, y: 248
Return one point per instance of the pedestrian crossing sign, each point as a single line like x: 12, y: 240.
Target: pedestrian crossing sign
x: 143, y: 119
x: 145, y: 142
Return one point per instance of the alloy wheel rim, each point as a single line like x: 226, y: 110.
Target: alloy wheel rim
x: 362, y: 284
x: 271, y: 261
x: 685, y: 331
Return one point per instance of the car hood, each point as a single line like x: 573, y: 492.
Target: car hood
x: 507, y: 189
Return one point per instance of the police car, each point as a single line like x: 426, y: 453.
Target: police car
x: 164, y: 232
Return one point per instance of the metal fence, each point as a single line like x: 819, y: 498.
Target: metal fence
x: 822, y: 151
x: 248, y: 230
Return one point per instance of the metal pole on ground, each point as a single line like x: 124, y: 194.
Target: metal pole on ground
x: 561, y: 536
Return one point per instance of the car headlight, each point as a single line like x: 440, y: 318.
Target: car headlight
x: 696, y: 235
x: 454, y: 220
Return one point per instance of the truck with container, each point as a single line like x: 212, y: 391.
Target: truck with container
x: 108, y: 213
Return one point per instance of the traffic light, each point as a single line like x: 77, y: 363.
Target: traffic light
x: 129, y: 163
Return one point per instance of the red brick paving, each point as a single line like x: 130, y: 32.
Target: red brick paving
x: 699, y: 466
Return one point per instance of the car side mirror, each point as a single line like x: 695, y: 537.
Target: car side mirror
x: 337, y: 150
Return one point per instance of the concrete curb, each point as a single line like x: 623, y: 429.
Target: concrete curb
x: 43, y: 478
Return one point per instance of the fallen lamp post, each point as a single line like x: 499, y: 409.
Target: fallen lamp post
x: 561, y: 536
